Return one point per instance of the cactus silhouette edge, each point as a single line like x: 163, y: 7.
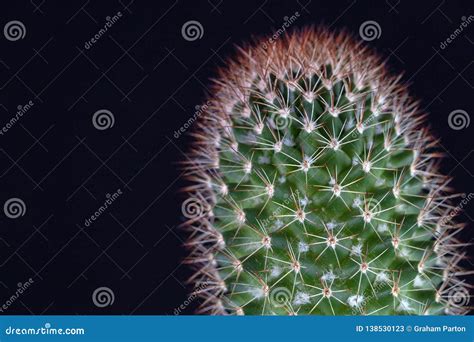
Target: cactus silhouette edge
x: 314, y: 188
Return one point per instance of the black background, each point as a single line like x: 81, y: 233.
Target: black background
x: 151, y: 79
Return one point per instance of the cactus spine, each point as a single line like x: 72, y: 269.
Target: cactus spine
x: 315, y: 188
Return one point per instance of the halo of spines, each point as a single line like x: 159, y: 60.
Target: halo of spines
x: 254, y: 72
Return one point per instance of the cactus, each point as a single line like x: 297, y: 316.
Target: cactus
x: 314, y: 188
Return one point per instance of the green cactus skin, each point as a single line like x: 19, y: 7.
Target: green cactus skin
x: 315, y: 188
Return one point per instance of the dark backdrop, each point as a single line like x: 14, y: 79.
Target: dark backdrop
x: 150, y: 79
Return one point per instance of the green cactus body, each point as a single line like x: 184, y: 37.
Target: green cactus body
x: 317, y: 188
